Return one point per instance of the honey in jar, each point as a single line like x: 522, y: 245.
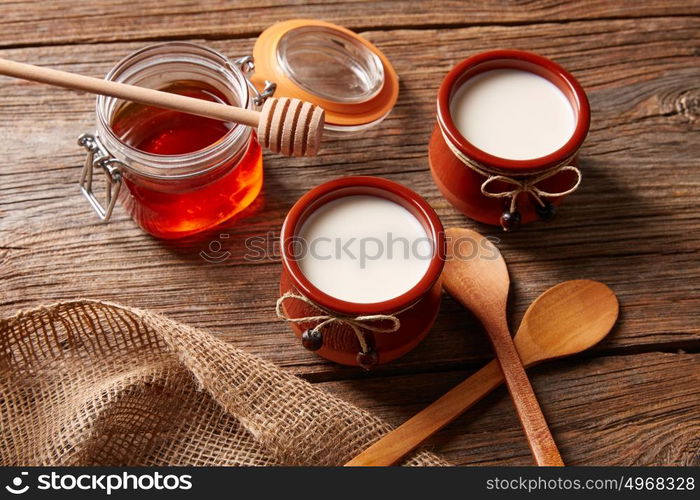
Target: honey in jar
x: 179, y: 174
x: 176, y: 174
x: 178, y: 212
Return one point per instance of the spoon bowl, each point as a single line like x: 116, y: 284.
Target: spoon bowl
x: 478, y: 279
x: 475, y: 274
x: 565, y: 320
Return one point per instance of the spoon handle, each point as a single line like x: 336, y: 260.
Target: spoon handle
x: 288, y: 126
x: 405, y: 438
x: 129, y: 92
x: 540, y: 439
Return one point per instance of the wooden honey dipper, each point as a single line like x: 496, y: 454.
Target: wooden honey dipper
x: 288, y: 126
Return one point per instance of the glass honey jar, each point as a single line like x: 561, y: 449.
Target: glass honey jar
x: 175, y: 174
x: 179, y: 174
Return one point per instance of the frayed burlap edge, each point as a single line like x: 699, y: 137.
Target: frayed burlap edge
x: 90, y: 382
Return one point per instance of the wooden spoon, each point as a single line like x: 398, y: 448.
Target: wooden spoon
x: 566, y: 319
x: 476, y: 275
x: 288, y: 126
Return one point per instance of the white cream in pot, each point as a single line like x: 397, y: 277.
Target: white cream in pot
x: 513, y: 114
x: 363, y: 249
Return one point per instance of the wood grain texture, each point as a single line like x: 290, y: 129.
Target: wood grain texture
x: 565, y: 320
x: 611, y: 410
x: 26, y: 22
x: 633, y: 224
x: 133, y: 93
x: 633, y: 214
x: 480, y: 283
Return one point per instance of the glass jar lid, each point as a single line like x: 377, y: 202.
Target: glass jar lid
x: 330, y: 66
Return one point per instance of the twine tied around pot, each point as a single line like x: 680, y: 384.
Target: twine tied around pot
x: 529, y: 185
x: 524, y: 183
x: 356, y: 323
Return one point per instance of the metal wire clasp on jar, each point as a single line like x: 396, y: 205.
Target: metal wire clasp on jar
x: 175, y: 174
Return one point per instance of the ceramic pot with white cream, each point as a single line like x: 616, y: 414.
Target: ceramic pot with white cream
x: 509, y: 127
x: 362, y: 258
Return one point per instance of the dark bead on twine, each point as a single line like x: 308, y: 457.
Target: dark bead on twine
x: 367, y: 360
x: 312, y: 340
x: 510, y: 220
x: 547, y: 211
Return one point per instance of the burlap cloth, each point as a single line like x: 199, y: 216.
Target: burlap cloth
x: 94, y: 383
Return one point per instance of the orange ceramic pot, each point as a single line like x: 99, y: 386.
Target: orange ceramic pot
x: 416, y: 309
x: 460, y: 184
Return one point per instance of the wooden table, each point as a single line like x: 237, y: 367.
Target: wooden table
x: 634, y: 399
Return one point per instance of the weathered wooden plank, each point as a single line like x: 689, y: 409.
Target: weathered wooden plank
x: 630, y: 225
x: 30, y: 23
x: 620, y: 410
